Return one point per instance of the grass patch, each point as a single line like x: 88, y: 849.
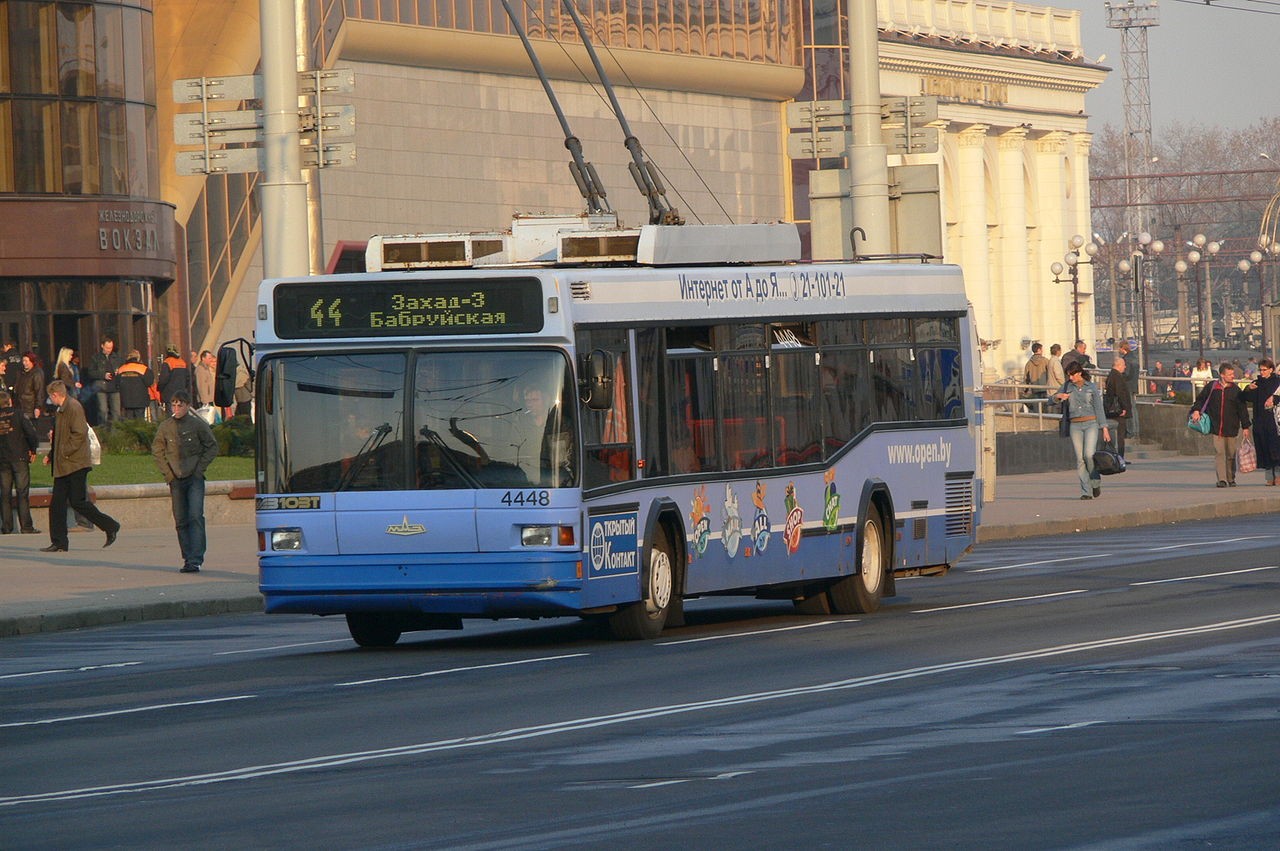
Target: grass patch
x: 118, y: 469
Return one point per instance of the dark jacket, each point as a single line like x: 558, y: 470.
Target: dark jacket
x: 132, y: 380
x: 28, y: 390
x: 98, y: 367
x: 17, y: 436
x: 1225, y: 406
x: 1076, y: 357
x: 1116, y: 395
x: 175, y: 375
x: 12, y: 367
x: 184, y: 446
x: 70, y: 449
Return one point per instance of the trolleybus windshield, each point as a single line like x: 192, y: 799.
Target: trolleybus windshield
x: 474, y: 419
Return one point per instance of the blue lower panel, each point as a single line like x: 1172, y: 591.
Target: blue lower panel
x: 466, y: 584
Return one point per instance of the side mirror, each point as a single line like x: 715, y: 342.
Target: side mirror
x: 596, y: 388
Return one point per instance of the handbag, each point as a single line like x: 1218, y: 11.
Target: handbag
x: 1204, y: 425
x: 95, y: 448
x: 1108, y: 462
x: 1064, y: 422
x: 1246, y: 456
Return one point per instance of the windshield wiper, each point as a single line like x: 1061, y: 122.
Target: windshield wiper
x: 361, y: 459
x: 447, y: 454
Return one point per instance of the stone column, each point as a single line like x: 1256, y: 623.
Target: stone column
x: 1051, y: 306
x: 1012, y: 289
x: 971, y: 178
x: 1082, y: 223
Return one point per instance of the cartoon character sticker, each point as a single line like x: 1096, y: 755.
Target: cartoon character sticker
x: 830, y: 501
x: 732, y: 522
x: 701, y: 522
x: 760, y: 525
x: 795, y: 519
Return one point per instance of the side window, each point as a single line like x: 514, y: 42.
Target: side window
x: 608, y: 446
x: 653, y: 438
x: 893, y: 384
x: 744, y: 403
x: 843, y: 397
x: 691, y: 415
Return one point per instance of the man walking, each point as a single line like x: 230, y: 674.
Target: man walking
x: 18, y: 444
x: 69, y: 456
x: 1036, y: 373
x: 184, y: 448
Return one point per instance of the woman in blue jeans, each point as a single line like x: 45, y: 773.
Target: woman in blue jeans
x: 1084, y: 410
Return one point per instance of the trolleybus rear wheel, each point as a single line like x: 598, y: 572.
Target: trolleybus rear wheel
x: 645, y: 619
x: 373, y: 630
x: 861, y: 591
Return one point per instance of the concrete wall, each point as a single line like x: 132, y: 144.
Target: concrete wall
x: 147, y: 506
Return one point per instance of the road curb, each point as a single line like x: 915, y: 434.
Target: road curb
x: 1041, y: 528
x: 108, y: 614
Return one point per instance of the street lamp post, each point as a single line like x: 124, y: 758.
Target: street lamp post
x: 1202, y: 248
x: 1148, y: 251
x: 1264, y: 249
x: 1073, y: 264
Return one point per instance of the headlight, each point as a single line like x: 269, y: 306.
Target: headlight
x: 286, y: 539
x: 546, y: 536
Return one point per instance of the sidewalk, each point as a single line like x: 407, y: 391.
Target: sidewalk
x: 138, y: 579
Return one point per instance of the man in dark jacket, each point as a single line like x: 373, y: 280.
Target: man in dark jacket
x: 1222, y: 401
x: 134, y: 380
x: 184, y: 448
x: 18, y: 445
x: 10, y: 363
x: 1117, y: 401
x: 175, y: 375
x: 1077, y: 355
x: 100, y: 377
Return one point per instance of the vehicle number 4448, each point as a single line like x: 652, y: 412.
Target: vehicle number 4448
x: 526, y: 498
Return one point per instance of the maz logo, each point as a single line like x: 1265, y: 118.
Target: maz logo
x: 404, y: 527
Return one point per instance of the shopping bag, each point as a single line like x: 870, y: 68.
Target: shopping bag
x: 1246, y: 456
x: 95, y: 448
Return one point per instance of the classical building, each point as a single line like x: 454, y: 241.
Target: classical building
x: 454, y: 133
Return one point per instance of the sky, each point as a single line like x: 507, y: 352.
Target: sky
x: 1209, y: 64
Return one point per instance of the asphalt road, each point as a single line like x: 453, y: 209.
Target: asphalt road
x: 1109, y: 690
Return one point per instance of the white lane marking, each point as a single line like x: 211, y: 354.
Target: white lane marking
x: 1037, y: 563
x: 284, y: 646
x: 578, y: 724
x: 998, y: 602
x: 1211, y: 543
x: 1075, y: 726
x: 460, y: 670
x: 1206, y: 575
x: 728, y: 775
x: 108, y: 714
x: 69, y: 670
x: 754, y: 632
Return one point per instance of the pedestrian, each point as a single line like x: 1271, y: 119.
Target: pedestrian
x: 1264, y: 393
x: 1229, y: 415
x: 175, y: 376
x: 1128, y: 352
x: 64, y: 372
x: 184, y: 448
x: 206, y: 379
x: 1057, y: 377
x: 28, y: 387
x: 1084, y: 410
x: 18, y: 443
x: 1200, y: 376
x: 1117, y: 401
x: 100, y: 376
x: 134, y: 381
x: 1077, y: 355
x: 69, y: 457
x: 1036, y: 373
x: 10, y: 363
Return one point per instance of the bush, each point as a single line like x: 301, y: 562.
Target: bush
x: 235, y: 436
x: 127, y: 437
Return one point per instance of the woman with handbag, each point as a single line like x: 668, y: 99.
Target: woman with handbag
x: 1085, y: 413
x: 1264, y: 393
x: 1226, y: 408
x: 1117, y: 401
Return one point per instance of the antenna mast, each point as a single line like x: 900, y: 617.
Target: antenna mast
x: 642, y: 172
x: 584, y: 173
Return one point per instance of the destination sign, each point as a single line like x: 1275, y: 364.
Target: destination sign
x: 393, y: 308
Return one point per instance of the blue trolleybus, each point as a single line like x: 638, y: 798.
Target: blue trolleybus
x: 573, y: 419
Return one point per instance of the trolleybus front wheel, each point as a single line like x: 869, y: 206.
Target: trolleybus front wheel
x: 373, y: 630
x: 645, y: 619
x: 861, y: 591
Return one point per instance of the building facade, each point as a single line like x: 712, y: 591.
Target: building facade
x: 453, y: 132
